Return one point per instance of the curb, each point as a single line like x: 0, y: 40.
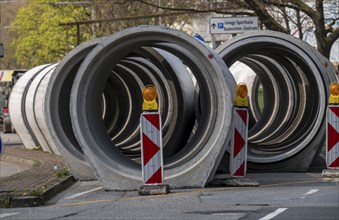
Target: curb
x: 234, y: 182
x: 13, y: 201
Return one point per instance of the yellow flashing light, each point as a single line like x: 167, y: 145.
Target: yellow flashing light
x: 149, y: 94
x: 241, y: 98
x: 334, y: 93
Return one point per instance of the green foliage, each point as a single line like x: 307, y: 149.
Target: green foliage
x: 63, y: 172
x: 5, y: 200
x: 40, y: 37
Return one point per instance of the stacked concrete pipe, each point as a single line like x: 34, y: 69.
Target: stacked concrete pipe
x: 88, y: 106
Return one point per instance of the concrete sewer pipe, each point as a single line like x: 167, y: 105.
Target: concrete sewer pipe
x: 93, y: 104
x: 289, y: 131
x: 26, y: 108
x: 97, y: 129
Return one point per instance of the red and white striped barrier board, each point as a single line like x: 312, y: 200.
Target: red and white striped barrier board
x: 238, y: 160
x: 151, y: 148
x: 332, y: 132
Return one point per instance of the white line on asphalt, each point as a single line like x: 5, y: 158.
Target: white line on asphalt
x: 4, y: 215
x: 309, y: 193
x: 273, y: 214
x: 83, y: 193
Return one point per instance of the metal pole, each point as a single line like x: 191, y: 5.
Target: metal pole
x: 78, y: 34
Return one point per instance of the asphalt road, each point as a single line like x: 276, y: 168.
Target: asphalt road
x: 279, y: 196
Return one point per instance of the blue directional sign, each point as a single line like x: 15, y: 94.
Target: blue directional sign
x: 233, y: 25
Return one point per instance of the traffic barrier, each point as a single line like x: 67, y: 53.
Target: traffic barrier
x: 238, y: 159
x: 1, y: 146
x: 151, y: 138
x: 238, y: 163
x: 151, y: 148
x: 332, y: 128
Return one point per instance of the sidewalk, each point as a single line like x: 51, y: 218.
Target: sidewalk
x: 38, y: 175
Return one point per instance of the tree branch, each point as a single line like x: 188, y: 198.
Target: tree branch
x: 259, y: 8
x: 194, y: 10
x: 294, y: 4
x: 334, y: 35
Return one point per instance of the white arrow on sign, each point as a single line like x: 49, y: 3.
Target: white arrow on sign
x: 233, y: 25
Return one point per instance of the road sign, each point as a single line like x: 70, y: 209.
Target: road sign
x: 332, y: 151
x: 233, y: 25
x: 238, y: 160
x: 151, y: 148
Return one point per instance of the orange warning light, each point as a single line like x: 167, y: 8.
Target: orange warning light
x: 150, y: 94
x: 241, y: 99
x: 334, y: 93
x: 242, y: 90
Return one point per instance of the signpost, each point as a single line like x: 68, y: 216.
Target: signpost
x: 233, y: 25
x: 1, y: 50
x: 1, y: 148
x: 332, y: 132
x: 151, y: 145
x: 238, y: 157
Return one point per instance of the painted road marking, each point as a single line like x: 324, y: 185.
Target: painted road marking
x: 309, y: 193
x: 273, y: 214
x: 4, y: 215
x: 83, y: 193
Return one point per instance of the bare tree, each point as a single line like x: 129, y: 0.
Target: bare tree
x: 277, y: 15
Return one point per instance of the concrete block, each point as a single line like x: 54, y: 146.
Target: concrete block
x: 331, y: 173
x: 160, y: 189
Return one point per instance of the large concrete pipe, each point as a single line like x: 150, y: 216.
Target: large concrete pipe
x: 17, y: 107
x: 57, y: 111
x: 289, y: 131
x: 39, y: 112
x: 196, y: 162
x: 31, y: 106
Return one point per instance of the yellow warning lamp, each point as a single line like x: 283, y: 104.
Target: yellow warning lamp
x: 334, y: 94
x: 241, y: 98
x: 150, y: 95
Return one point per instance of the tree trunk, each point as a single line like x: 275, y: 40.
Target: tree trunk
x: 324, y: 47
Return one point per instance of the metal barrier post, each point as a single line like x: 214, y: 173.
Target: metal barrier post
x: 332, y: 132
x: 238, y: 151
x: 151, y: 145
x: 1, y: 146
x: 238, y: 158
